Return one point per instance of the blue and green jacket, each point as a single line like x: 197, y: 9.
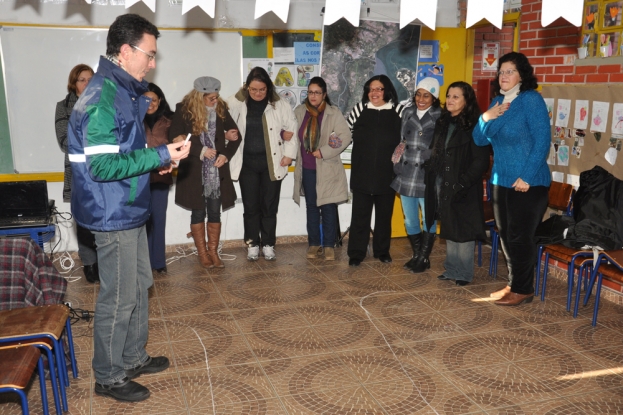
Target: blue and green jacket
x: 108, y: 152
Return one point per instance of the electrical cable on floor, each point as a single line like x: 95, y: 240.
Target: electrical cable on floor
x: 369, y: 315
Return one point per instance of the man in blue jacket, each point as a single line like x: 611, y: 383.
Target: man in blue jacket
x: 110, y: 197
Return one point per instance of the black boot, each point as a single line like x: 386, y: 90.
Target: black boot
x: 422, y: 263
x: 416, y: 241
x: 92, y: 273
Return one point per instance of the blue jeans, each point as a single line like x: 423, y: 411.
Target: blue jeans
x: 459, y: 261
x: 156, y: 225
x: 411, y: 207
x: 327, y: 213
x: 121, y: 313
x: 86, y: 246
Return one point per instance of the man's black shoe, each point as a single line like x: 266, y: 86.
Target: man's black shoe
x: 125, y: 390
x: 354, y: 262
x: 152, y: 365
x: 92, y: 273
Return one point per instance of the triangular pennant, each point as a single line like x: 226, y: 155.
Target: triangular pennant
x: 149, y: 3
x: 570, y: 10
x: 492, y: 10
x: 279, y: 7
x: 205, y: 5
x: 424, y: 10
x: 348, y: 9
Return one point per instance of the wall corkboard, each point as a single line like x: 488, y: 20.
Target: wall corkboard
x: 594, y: 151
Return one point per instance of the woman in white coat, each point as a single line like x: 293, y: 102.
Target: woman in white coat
x: 268, y: 146
x: 319, y: 174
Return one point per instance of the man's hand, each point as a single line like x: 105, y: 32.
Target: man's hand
x: 177, y: 151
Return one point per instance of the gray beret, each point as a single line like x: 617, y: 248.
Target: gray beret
x: 207, y: 85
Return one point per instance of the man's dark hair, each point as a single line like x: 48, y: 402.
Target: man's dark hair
x: 128, y: 29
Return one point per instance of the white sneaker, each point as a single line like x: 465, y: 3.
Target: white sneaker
x: 269, y: 253
x: 253, y: 253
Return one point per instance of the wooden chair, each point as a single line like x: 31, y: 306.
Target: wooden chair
x: 560, y: 198
x: 17, y: 365
x: 609, y: 264
x: 42, y: 327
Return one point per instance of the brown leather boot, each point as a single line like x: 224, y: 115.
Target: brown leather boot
x: 214, y: 236
x: 198, y: 232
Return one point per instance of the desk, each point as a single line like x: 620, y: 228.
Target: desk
x: 39, y: 234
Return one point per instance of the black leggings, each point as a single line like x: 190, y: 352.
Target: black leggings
x: 213, y: 209
x: 517, y: 215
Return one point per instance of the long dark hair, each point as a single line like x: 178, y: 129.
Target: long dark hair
x: 526, y: 71
x: 316, y: 80
x: 470, y: 113
x: 259, y: 74
x: 164, y: 110
x: 389, y: 92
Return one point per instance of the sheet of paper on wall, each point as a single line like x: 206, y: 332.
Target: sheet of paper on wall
x: 563, y: 155
x: 617, y: 118
x: 573, y: 180
x: 599, y: 116
x: 558, y: 176
x: 562, y: 112
x: 549, y: 103
x: 551, y: 159
x: 611, y: 155
x: 580, y: 120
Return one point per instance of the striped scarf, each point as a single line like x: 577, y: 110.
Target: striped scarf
x: 311, y: 135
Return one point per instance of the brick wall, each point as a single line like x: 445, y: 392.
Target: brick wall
x: 490, y: 34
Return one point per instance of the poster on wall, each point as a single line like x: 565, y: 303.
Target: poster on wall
x: 297, y: 60
x: 490, y: 55
x: 562, y: 116
x: 352, y: 55
x: 549, y: 103
x: 599, y: 114
x: 581, y: 114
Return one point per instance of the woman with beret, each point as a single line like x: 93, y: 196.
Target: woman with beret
x: 204, y: 183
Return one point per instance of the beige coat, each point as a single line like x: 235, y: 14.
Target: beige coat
x: 331, y: 185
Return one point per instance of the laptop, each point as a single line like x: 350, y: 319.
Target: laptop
x: 24, y: 204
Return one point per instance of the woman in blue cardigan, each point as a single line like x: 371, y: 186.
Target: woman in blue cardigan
x: 517, y: 125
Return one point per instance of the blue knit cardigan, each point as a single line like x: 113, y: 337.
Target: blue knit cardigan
x: 521, y: 140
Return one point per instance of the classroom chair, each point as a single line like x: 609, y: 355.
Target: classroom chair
x: 610, y: 264
x: 17, y: 365
x: 43, y: 327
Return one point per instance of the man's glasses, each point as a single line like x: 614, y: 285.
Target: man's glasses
x: 507, y: 72
x: 314, y: 92
x: 149, y: 55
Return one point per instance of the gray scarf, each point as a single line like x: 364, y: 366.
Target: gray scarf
x: 210, y: 177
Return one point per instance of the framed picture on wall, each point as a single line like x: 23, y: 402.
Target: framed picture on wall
x: 612, y: 14
x: 591, y: 15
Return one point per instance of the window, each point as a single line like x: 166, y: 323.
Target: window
x: 602, y: 28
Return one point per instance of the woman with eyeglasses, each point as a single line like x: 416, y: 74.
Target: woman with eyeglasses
x: 517, y: 126
x: 375, y: 123
x: 267, y: 126
x: 157, y: 123
x: 204, y: 184
x: 319, y: 174
x: 79, y: 78
x: 453, y: 182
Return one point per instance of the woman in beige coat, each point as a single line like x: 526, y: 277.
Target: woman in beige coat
x: 319, y: 174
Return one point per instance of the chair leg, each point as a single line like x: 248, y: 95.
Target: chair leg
x: 597, y: 295
x: 545, y: 269
x: 537, y: 277
x: 72, y: 352
x: 53, y: 378
x: 578, y: 292
x: 44, y: 393
x: 62, y: 372
x: 22, y: 398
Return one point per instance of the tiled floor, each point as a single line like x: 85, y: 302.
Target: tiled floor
x: 298, y: 336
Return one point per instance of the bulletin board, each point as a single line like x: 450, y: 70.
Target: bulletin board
x: 600, y: 109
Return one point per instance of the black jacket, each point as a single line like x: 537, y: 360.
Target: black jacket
x: 376, y: 133
x: 457, y: 202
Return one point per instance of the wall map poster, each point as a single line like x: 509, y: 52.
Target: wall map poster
x: 352, y: 55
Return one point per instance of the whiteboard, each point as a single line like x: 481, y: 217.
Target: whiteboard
x: 37, y: 62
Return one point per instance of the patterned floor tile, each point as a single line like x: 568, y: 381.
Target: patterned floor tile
x: 523, y: 344
x: 225, y: 385
x: 424, y: 326
x: 294, y: 342
x: 482, y: 318
x: 355, y: 401
x: 184, y: 328
x: 191, y: 304
x: 213, y: 352
x: 270, y: 318
x: 259, y: 407
x: 393, y: 305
